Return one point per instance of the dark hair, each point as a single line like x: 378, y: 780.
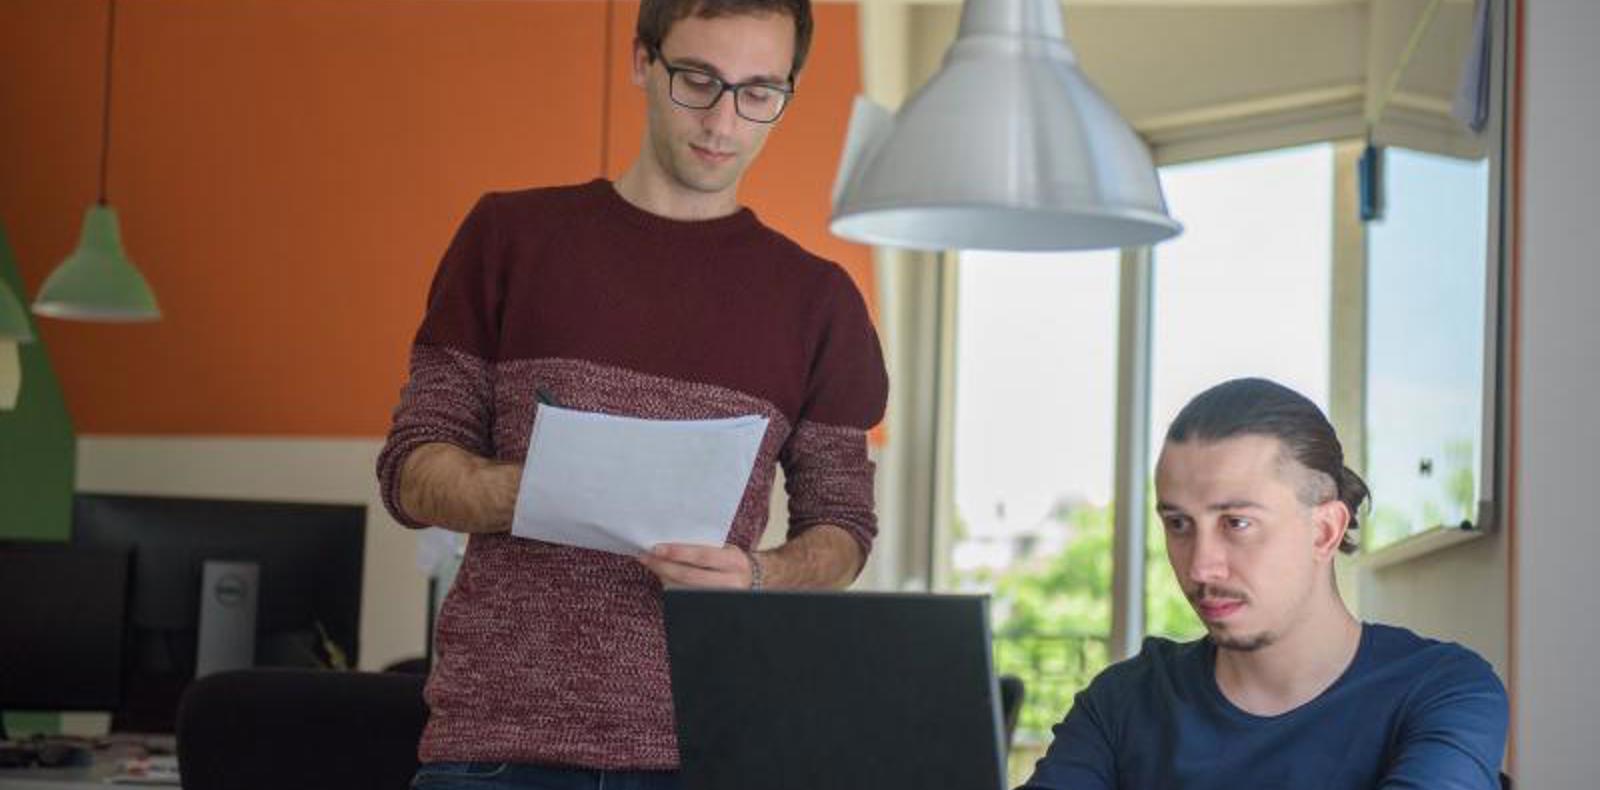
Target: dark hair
x: 1259, y: 407
x: 656, y: 17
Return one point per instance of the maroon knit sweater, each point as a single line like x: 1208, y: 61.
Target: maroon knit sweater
x: 556, y: 655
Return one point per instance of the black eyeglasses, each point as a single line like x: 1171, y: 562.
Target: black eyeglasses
x: 697, y: 89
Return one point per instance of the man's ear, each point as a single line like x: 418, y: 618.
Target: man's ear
x: 640, y: 62
x: 1329, y: 521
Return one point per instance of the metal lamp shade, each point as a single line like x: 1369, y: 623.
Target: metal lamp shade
x: 1008, y: 147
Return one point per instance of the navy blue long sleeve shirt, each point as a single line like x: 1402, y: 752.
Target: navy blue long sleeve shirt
x: 1409, y: 712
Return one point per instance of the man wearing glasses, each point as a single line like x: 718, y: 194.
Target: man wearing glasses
x: 656, y: 296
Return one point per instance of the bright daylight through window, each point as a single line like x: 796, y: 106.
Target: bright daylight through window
x: 1244, y: 291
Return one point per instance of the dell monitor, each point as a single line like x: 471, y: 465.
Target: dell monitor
x: 296, y: 568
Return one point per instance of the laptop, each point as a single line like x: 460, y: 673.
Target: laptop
x: 834, y: 691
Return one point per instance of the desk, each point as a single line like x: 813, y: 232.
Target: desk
x: 90, y: 777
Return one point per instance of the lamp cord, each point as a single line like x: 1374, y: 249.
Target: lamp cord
x: 105, y: 110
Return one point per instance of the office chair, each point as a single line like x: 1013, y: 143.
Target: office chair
x: 1011, y: 694
x: 305, y: 729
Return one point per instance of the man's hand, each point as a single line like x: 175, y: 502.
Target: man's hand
x: 824, y: 557
x: 682, y: 565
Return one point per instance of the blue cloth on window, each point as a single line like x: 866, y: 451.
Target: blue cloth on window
x: 1409, y: 712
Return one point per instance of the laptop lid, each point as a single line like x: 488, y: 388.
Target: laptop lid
x: 834, y: 691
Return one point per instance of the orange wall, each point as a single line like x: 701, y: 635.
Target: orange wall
x: 288, y: 172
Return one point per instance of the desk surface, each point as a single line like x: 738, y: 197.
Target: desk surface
x: 56, y: 778
x: 90, y: 777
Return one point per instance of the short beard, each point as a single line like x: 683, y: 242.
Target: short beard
x: 1244, y: 644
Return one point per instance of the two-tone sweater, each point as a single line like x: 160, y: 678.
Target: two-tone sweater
x: 554, y: 654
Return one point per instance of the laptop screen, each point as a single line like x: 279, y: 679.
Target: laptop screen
x: 814, y: 690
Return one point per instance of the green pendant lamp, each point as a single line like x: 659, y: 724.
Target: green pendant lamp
x: 98, y: 282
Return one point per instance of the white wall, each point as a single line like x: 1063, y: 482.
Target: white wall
x: 1538, y: 599
x: 1557, y: 580
x: 1457, y: 593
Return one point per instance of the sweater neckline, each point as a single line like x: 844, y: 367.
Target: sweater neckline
x: 1212, y: 689
x: 613, y: 203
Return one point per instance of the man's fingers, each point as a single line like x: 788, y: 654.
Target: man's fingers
x: 682, y: 565
x: 726, y: 558
x: 675, y: 574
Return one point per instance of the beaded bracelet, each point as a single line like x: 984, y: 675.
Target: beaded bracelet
x: 755, y: 570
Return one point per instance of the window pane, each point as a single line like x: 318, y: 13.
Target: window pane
x: 1425, y: 333
x: 1034, y: 430
x: 1244, y: 291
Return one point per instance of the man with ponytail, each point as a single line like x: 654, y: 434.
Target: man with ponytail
x: 1287, y: 688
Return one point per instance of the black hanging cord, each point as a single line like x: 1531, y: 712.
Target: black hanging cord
x: 105, y: 109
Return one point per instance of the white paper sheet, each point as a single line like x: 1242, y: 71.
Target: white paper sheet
x: 623, y: 485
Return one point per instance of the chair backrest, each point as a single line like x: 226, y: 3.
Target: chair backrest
x: 306, y: 729
x: 1011, y: 695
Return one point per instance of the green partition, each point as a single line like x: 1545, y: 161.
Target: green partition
x: 37, y: 462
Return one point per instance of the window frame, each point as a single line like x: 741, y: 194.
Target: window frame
x: 922, y: 487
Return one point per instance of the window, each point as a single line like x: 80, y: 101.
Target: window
x: 1035, y: 389
x: 1426, y: 279
x: 1244, y: 291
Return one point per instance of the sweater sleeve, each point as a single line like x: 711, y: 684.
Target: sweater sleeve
x: 828, y: 474
x: 449, y: 394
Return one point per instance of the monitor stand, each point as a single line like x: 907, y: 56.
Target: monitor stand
x: 227, y: 634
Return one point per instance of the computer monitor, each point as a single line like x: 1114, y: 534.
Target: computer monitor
x: 61, y: 626
x: 801, y: 690
x: 310, y: 564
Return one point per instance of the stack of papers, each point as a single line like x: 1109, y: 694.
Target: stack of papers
x: 159, y: 770
x: 623, y: 484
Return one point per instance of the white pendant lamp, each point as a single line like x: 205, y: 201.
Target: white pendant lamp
x: 1007, y: 147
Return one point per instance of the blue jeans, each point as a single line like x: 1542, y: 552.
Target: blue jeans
x: 521, y: 776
